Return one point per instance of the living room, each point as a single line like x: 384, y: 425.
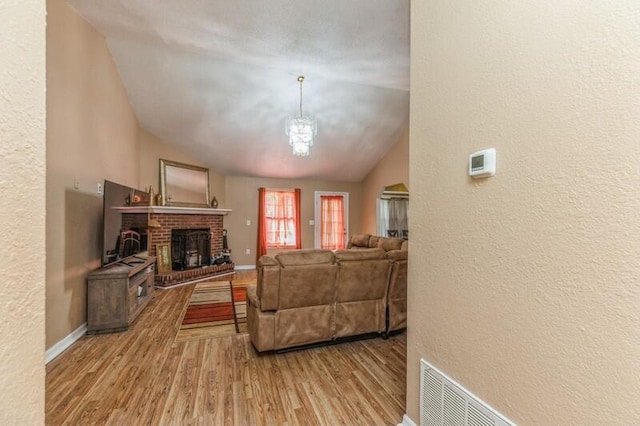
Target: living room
x: 106, y: 141
x: 522, y: 286
x: 122, y: 151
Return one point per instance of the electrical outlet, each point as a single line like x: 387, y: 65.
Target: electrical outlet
x: 99, y: 189
x: 247, y: 252
x: 76, y: 184
x: 248, y: 222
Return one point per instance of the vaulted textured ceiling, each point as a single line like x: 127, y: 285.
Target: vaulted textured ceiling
x: 217, y: 79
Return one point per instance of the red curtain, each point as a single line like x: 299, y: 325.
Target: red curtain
x: 332, y: 222
x: 262, y: 225
x: 298, y: 196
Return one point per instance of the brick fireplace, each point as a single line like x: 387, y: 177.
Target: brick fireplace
x: 180, y: 219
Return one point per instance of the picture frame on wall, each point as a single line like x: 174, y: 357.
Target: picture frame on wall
x: 163, y: 257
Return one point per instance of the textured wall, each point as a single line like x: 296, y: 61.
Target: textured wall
x: 22, y: 214
x: 242, y: 198
x: 392, y: 169
x: 92, y: 135
x: 525, y: 287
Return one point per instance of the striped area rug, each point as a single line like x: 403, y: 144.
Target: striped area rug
x: 209, y: 313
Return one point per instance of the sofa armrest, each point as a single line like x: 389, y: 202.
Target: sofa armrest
x: 396, y: 255
x: 397, y: 296
x: 252, y: 296
x: 267, y: 261
x: 268, y: 285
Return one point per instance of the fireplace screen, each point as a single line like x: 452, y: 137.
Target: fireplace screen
x: 190, y: 248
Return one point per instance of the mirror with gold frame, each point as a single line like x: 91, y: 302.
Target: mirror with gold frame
x: 184, y: 185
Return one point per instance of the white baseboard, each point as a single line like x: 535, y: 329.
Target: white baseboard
x: 406, y: 421
x: 63, y: 344
x: 244, y: 267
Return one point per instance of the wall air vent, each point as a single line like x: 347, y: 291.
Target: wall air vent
x: 445, y: 402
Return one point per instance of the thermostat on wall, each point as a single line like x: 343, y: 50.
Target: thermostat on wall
x: 482, y: 163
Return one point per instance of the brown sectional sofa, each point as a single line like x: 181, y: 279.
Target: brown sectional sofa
x: 309, y: 296
x: 397, y: 250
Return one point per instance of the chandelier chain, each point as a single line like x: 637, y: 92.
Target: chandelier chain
x: 301, y: 79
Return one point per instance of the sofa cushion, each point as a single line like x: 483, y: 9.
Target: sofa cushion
x: 364, y: 274
x: 359, y: 240
x: 373, y: 241
x: 389, y: 243
x: 362, y: 287
x: 307, y: 285
x: 305, y: 257
x: 363, y: 254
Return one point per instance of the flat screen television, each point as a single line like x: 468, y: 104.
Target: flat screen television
x: 114, y: 247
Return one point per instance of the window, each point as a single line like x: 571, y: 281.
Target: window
x: 393, y: 218
x: 393, y: 207
x: 280, y: 218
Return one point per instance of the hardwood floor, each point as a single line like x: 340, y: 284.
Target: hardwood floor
x: 142, y: 377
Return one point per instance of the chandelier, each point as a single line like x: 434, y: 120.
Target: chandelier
x: 301, y: 130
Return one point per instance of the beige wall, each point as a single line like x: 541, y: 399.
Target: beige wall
x: 525, y: 286
x: 242, y: 198
x: 92, y: 135
x: 22, y: 214
x: 152, y: 149
x: 392, y: 169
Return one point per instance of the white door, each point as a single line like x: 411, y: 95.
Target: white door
x: 331, y: 219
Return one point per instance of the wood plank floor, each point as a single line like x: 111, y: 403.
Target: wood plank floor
x: 142, y: 377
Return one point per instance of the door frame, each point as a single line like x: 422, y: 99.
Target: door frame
x: 317, y: 211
